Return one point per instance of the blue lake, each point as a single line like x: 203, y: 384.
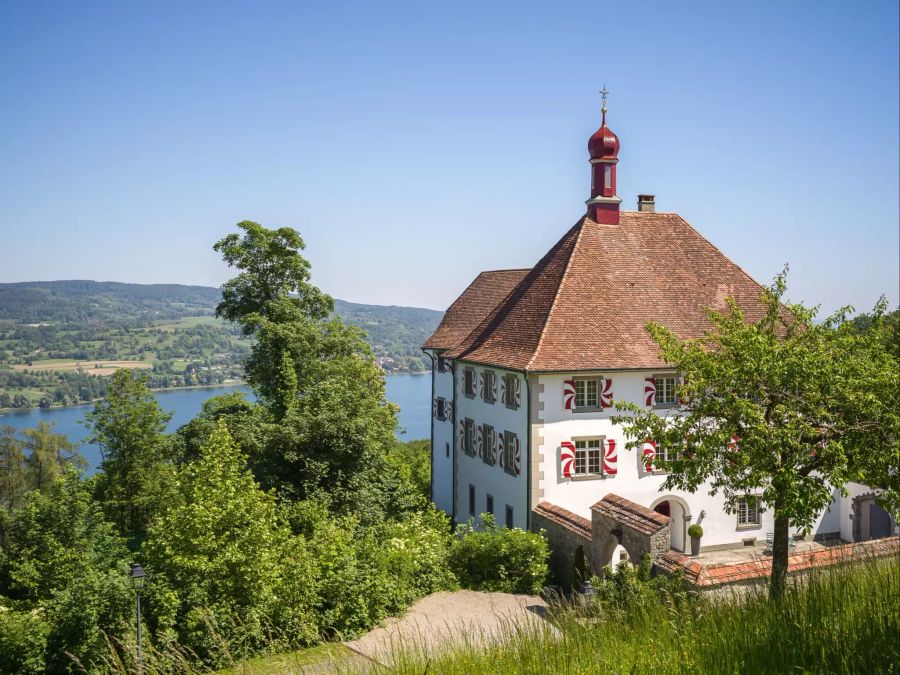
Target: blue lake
x: 411, y: 392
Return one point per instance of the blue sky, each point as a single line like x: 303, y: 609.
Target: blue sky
x: 414, y: 145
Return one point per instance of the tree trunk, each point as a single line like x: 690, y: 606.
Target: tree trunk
x: 779, y: 556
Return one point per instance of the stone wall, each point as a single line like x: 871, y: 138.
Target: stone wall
x: 565, y: 533
x: 615, y: 520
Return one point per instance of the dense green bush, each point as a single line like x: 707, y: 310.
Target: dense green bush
x: 499, y: 559
x: 629, y: 586
x: 236, y: 572
x: 67, y: 569
x: 366, y: 573
x: 23, y: 640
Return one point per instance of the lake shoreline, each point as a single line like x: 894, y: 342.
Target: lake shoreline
x: 232, y: 383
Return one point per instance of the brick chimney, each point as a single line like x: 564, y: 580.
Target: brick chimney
x: 647, y: 203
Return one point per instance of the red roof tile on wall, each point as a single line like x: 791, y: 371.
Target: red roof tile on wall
x: 629, y: 513
x: 701, y: 575
x: 571, y: 521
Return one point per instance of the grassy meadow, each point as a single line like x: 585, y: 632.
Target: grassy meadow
x: 840, y: 620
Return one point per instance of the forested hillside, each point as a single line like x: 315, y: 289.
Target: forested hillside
x: 60, y: 340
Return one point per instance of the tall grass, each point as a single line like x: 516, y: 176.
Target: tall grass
x: 839, y: 620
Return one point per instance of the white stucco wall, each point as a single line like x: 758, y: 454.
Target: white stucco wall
x: 577, y: 495
x: 492, y: 479
x: 442, y: 443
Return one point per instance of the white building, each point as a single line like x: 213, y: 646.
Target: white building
x: 528, y: 363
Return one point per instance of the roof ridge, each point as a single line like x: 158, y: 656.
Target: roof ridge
x: 562, y: 281
x: 464, y: 347
x: 508, y: 269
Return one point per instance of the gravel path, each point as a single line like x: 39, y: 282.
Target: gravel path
x: 442, y: 620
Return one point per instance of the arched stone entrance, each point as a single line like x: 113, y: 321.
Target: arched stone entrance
x: 679, y: 516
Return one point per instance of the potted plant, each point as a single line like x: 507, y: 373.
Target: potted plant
x: 695, y: 532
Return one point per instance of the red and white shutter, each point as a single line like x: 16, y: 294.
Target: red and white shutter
x: 610, y: 458
x: 569, y: 395
x: 517, y: 457
x: 681, y: 399
x: 650, y: 392
x: 517, y: 392
x: 567, y: 458
x: 733, y: 446
x: 606, y: 393
x: 648, y: 455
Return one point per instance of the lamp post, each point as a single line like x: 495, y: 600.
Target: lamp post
x: 138, y: 576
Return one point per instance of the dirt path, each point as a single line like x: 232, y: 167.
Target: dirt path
x: 442, y: 620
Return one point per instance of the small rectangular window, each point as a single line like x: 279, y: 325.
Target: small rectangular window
x: 490, y: 380
x: 587, y: 456
x: 665, y: 390
x: 441, y: 408
x: 489, y: 504
x: 509, y: 516
x: 469, y: 437
x: 748, y: 511
x: 509, y: 452
x: 586, y: 393
x: 509, y: 388
x: 469, y: 384
x: 607, y: 176
x: 487, y: 444
x: 442, y: 365
x: 471, y: 499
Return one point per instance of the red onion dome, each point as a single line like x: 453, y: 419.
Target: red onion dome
x: 604, y: 144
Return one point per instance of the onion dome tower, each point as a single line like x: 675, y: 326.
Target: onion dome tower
x: 603, y: 206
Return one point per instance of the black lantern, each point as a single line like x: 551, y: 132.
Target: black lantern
x: 138, y: 575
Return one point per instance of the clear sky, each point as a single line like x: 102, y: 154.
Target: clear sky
x: 414, y: 145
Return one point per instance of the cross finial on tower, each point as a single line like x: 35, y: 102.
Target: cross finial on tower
x: 603, y: 94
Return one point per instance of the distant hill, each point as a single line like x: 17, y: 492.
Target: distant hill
x: 395, y: 333
x: 86, y: 302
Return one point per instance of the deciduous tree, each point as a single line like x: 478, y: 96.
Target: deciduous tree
x: 135, y: 474
x: 783, y: 408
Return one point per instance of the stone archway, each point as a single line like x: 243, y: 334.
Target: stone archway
x: 679, y: 517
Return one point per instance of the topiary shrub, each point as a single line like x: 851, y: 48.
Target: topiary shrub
x: 695, y: 531
x: 499, y: 559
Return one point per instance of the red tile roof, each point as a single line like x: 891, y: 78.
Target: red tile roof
x: 586, y: 303
x: 627, y: 512
x: 470, y: 308
x: 698, y: 574
x: 565, y: 518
